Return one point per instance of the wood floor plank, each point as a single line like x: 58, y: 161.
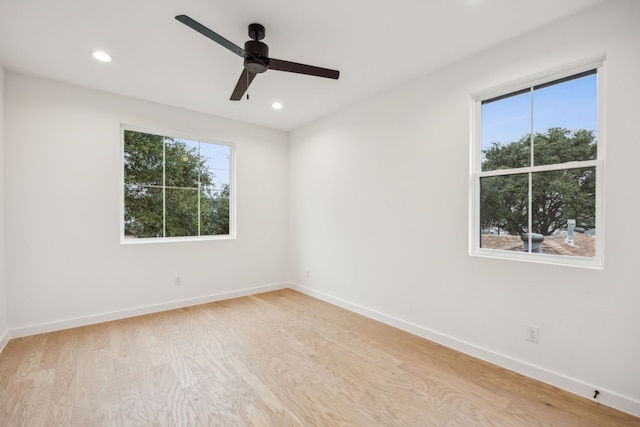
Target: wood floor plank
x: 274, y: 359
x: 36, y: 406
x: 84, y: 391
x: 29, y: 365
x: 539, y: 414
x: 14, y: 403
x: 178, y: 404
x: 134, y: 411
x: 157, y: 410
x: 60, y: 411
x: 525, y: 393
x: 107, y: 410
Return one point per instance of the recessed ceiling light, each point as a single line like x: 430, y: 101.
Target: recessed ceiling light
x: 276, y: 106
x: 102, y: 56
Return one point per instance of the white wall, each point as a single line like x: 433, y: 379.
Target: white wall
x: 65, y: 265
x: 379, y: 206
x: 3, y: 301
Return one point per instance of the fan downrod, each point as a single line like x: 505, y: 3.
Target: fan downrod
x: 256, y: 31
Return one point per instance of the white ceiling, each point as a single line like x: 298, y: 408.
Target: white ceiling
x: 376, y: 45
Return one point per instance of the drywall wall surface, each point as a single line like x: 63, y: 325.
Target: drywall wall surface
x: 63, y: 195
x: 379, y: 198
x: 3, y: 300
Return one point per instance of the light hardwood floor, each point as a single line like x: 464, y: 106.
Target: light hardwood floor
x: 274, y: 359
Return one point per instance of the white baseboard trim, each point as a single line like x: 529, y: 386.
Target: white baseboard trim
x: 138, y: 311
x: 606, y: 397
x: 4, y: 339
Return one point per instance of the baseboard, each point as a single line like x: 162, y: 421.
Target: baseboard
x: 4, y: 339
x: 138, y: 311
x: 605, y: 397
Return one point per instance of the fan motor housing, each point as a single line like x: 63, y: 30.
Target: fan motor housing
x: 257, y: 56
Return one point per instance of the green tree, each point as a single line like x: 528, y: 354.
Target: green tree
x: 556, y: 195
x: 169, y: 189
x: 215, y: 211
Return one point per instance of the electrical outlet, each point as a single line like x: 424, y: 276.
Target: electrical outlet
x: 308, y: 274
x: 533, y: 333
x: 177, y: 281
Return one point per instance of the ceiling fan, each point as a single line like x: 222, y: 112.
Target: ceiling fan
x: 256, y: 57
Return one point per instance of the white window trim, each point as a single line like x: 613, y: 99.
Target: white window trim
x: 232, y: 188
x: 595, y: 262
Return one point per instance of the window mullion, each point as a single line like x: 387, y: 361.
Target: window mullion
x: 199, y: 188
x: 541, y: 168
x: 164, y: 187
x: 529, y: 210
x: 531, y: 136
x: 530, y: 174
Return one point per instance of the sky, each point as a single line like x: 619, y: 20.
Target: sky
x: 216, y: 158
x: 571, y: 104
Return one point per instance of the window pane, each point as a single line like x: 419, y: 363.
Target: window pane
x: 142, y: 158
x: 506, y: 126
x: 214, y: 211
x: 216, y: 160
x: 142, y: 211
x: 503, y: 211
x: 182, y: 163
x: 181, y: 212
x: 559, y: 145
x: 566, y: 121
x: 560, y: 196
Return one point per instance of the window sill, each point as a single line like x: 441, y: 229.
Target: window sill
x: 153, y: 240
x: 563, y: 260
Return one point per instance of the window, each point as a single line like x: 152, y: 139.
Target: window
x: 175, y: 188
x: 537, y: 171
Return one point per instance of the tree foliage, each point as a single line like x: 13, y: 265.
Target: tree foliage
x: 169, y: 190
x: 556, y: 195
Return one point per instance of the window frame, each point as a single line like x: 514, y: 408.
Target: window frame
x: 475, y: 160
x: 177, y: 135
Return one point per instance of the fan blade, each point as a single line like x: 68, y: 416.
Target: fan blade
x: 294, y: 67
x: 243, y: 84
x: 210, y: 34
